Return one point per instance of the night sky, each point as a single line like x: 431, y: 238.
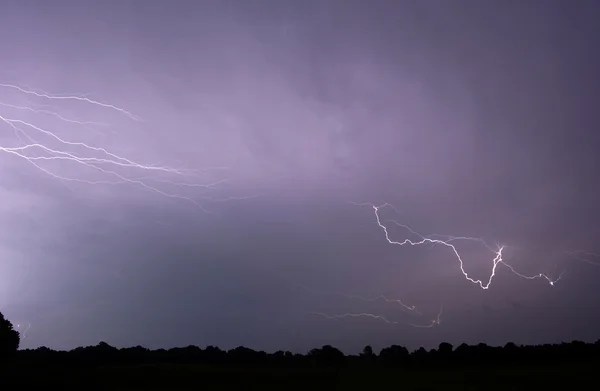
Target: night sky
x: 200, y: 172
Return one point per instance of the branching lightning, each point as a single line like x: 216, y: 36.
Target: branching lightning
x: 23, y: 334
x: 585, y: 256
x: 447, y: 242
x: 434, y: 322
x: 405, y: 307
x: 113, y: 168
x: 71, y: 97
x: 408, y: 309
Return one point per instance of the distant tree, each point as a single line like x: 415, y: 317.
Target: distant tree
x: 9, y: 338
x: 445, y: 349
x: 367, y: 355
x: 104, y: 347
x: 327, y: 356
x: 394, y: 355
x: 367, y: 352
x: 420, y: 353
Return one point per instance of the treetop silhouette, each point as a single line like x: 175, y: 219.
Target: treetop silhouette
x: 326, y: 356
x: 9, y: 338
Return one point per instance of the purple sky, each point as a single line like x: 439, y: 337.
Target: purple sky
x: 473, y: 118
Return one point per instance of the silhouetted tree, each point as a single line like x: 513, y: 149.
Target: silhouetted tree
x: 420, y: 353
x: 9, y: 338
x: 367, y: 355
x: 367, y: 351
x: 394, y: 355
x: 327, y: 356
x: 441, y: 368
x: 320, y: 365
x: 445, y: 349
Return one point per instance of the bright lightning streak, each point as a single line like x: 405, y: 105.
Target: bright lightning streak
x: 53, y: 114
x: 97, y: 159
x: 71, y: 97
x: 497, y: 259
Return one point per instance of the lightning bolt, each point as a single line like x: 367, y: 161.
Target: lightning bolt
x: 23, y: 334
x: 497, y: 258
x: 71, y: 97
x: 113, y: 168
x: 357, y: 315
x: 433, y: 239
x: 406, y: 307
x: 434, y: 322
x: 585, y: 256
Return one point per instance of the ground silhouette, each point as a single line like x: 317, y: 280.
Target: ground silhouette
x: 9, y: 338
x: 465, y: 367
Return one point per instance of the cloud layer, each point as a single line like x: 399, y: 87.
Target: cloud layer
x: 471, y: 119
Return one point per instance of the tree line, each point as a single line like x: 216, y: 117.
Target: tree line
x: 325, y: 356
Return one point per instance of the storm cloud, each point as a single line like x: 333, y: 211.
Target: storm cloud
x: 471, y: 118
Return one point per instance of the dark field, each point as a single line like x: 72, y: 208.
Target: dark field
x: 354, y: 372
x: 169, y: 377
